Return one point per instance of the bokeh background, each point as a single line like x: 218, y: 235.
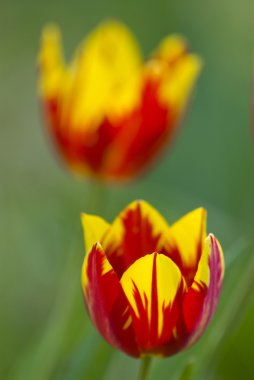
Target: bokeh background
x: 44, y: 329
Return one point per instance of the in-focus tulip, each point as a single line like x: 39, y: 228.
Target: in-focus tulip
x: 151, y: 289
x: 108, y: 112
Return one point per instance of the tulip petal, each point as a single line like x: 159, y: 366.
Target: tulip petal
x: 107, y: 76
x: 106, y: 302
x: 153, y: 286
x: 167, y: 83
x: 184, y: 242
x: 181, y: 73
x: 200, y: 301
x: 51, y: 63
x: 94, y: 227
x: 143, y: 132
x: 133, y: 234
x: 171, y: 48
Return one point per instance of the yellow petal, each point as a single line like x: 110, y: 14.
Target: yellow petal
x: 171, y: 48
x: 108, y: 75
x: 203, y: 274
x: 177, y: 87
x: 51, y: 63
x: 94, y: 227
x: 187, y: 235
x: 181, y: 73
x: 162, y: 283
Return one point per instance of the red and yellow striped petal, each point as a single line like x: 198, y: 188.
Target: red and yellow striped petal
x: 200, y: 301
x: 168, y: 80
x: 184, y: 242
x: 153, y: 286
x: 106, y: 302
x: 133, y: 234
x: 142, y: 133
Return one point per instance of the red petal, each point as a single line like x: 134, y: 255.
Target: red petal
x: 200, y: 301
x: 151, y: 125
x: 135, y: 233
x: 106, y: 302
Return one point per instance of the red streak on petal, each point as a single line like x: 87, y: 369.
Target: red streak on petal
x: 108, y: 306
x: 188, y: 271
x: 154, y: 124
x: 149, y: 339
x: 192, y: 306
x: 154, y: 304
x: 138, y: 240
x: 199, y: 306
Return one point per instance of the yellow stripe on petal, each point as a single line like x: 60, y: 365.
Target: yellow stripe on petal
x: 94, y: 227
x: 105, y: 265
x: 140, y: 281
x: 51, y: 62
x: 188, y: 235
x: 107, y: 77
x: 202, y: 276
x: 205, y: 290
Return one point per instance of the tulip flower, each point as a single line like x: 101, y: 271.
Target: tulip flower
x: 109, y: 112
x: 151, y: 289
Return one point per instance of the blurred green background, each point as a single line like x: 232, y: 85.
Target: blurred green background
x: 44, y: 329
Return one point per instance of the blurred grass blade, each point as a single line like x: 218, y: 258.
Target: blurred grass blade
x: 121, y: 367
x: 79, y: 364
x: 187, y: 370
x: 239, y: 293
x: 232, y: 254
x: 40, y: 360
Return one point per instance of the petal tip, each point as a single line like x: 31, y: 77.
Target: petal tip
x: 51, y: 30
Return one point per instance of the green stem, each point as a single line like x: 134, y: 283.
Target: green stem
x: 97, y: 197
x: 144, y: 367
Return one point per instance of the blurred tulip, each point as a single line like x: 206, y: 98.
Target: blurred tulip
x: 108, y: 112
x: 151, y: 289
